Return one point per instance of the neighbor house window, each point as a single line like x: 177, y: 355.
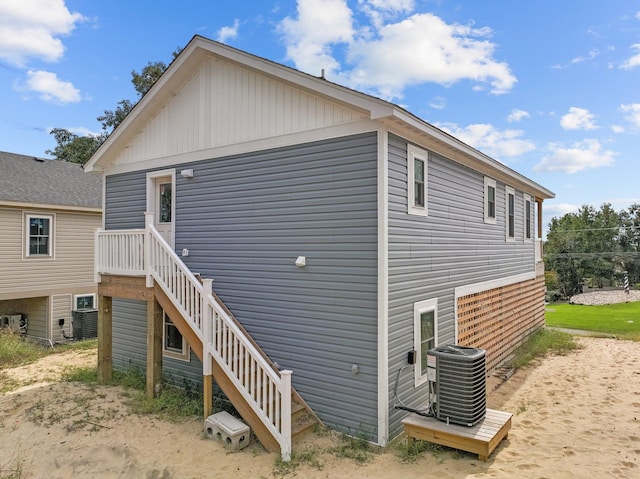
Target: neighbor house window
x: 489, y: 200
x: 528, y: 218
x: 510, y: 199
x: 85, y: 301
x: 173, y: 343
x: 425, y: 335
x: 417, y: 166
x: 39, y: 235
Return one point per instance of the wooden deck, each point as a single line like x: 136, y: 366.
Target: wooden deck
x: 480, y: 439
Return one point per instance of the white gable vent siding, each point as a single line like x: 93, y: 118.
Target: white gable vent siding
x: 246, y: 218
x: 130, y: 346
x: 430, y: 256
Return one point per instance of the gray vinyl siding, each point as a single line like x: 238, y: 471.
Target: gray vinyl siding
x: 245, y: 219
x: 430, y: 256
x: 130, y: 345
x: 126, y: 200
x: 261, y: 212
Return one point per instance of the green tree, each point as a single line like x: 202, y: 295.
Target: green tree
x: 73, y: 148
x: 586, y: 247
x: 80, y: 149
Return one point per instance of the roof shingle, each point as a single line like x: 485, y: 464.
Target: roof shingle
x: 26, y: 179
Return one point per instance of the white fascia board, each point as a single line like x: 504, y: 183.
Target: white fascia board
x: 42, y: 206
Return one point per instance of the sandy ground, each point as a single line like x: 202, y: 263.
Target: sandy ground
x: 575, y: 416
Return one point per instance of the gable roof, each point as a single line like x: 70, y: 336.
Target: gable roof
x: 396, y: 118
x: 27, y: 180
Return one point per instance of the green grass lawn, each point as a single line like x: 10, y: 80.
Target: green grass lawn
x: 622, y: 319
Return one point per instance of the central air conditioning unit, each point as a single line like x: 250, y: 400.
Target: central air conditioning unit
x: 15, y: 322
x: 458, y: 374
x: 85, y: 324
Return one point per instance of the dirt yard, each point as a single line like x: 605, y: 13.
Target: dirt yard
x: 575, y: 416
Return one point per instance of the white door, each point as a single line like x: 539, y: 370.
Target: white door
x: 164, y: 210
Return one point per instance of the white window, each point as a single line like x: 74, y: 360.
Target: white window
x: 84, y: 301
x: 173, y: 343
x: 38, y: 235
x: 528, y: 218
x: 489, y: 200
x: 510, y: 213
x: 417, y: 166
x: 425, y: 335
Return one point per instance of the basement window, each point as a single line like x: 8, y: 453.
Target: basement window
x: 173, y: 343
x: 425, y: 335
x: 85, y: 301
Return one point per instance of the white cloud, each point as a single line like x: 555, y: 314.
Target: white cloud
x: 320, y: 23
x: 439, y: 53
x: 617, y: 129
x: 632, y: 111
x: 228, y: 33
x: 517, y: 116
x: 78, y: 130
x: 438, y: 103
x: 495, y: 143
x: 376, y: 57
x: 31, y: 29
x: 590, y: 56
x: 578, y: 119
x: 552, y: 209
x: 633, y: 61
x: 380, y: 11
x: 586, y: 154
x: 51, y: 89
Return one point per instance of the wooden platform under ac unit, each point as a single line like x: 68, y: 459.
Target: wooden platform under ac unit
x: 480, y: 439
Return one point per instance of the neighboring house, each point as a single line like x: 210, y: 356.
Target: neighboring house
x: 49, y: 212
x: 342, y: 232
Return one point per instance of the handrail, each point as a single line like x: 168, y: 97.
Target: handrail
x: 145, y: 252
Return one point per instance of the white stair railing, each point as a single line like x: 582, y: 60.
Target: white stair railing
x: 145, y: 252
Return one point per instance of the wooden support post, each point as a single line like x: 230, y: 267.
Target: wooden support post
x: 105, y: 339
x: 154, y: 348
x: 208, y: 395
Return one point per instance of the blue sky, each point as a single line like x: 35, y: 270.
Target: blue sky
x: 548, y: 87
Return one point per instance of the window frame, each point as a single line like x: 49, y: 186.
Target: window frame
x: 27, y: 217
x: 184, y: 354
x: 527, y: 218
x: 490, y: 183
x: 78, y: 296
x: 419, y: 308
x: 414, y: 153
x: 510, y: 219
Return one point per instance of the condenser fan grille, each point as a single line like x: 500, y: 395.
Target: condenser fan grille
x: 460, y: 384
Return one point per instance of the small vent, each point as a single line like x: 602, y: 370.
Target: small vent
x: 460, y: 383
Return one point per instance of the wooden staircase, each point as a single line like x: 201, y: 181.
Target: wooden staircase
x: 303, y: 419
x: 261, y: 393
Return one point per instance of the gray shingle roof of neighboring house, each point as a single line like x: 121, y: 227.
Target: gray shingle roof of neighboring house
x: 26, y: 179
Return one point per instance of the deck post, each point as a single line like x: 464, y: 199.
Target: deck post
x: 148, y: 222
x: 105, y: 339
x: 285, y: 418
x: 154, y: 348
x: 208, y: 395
x: 207, y: 330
